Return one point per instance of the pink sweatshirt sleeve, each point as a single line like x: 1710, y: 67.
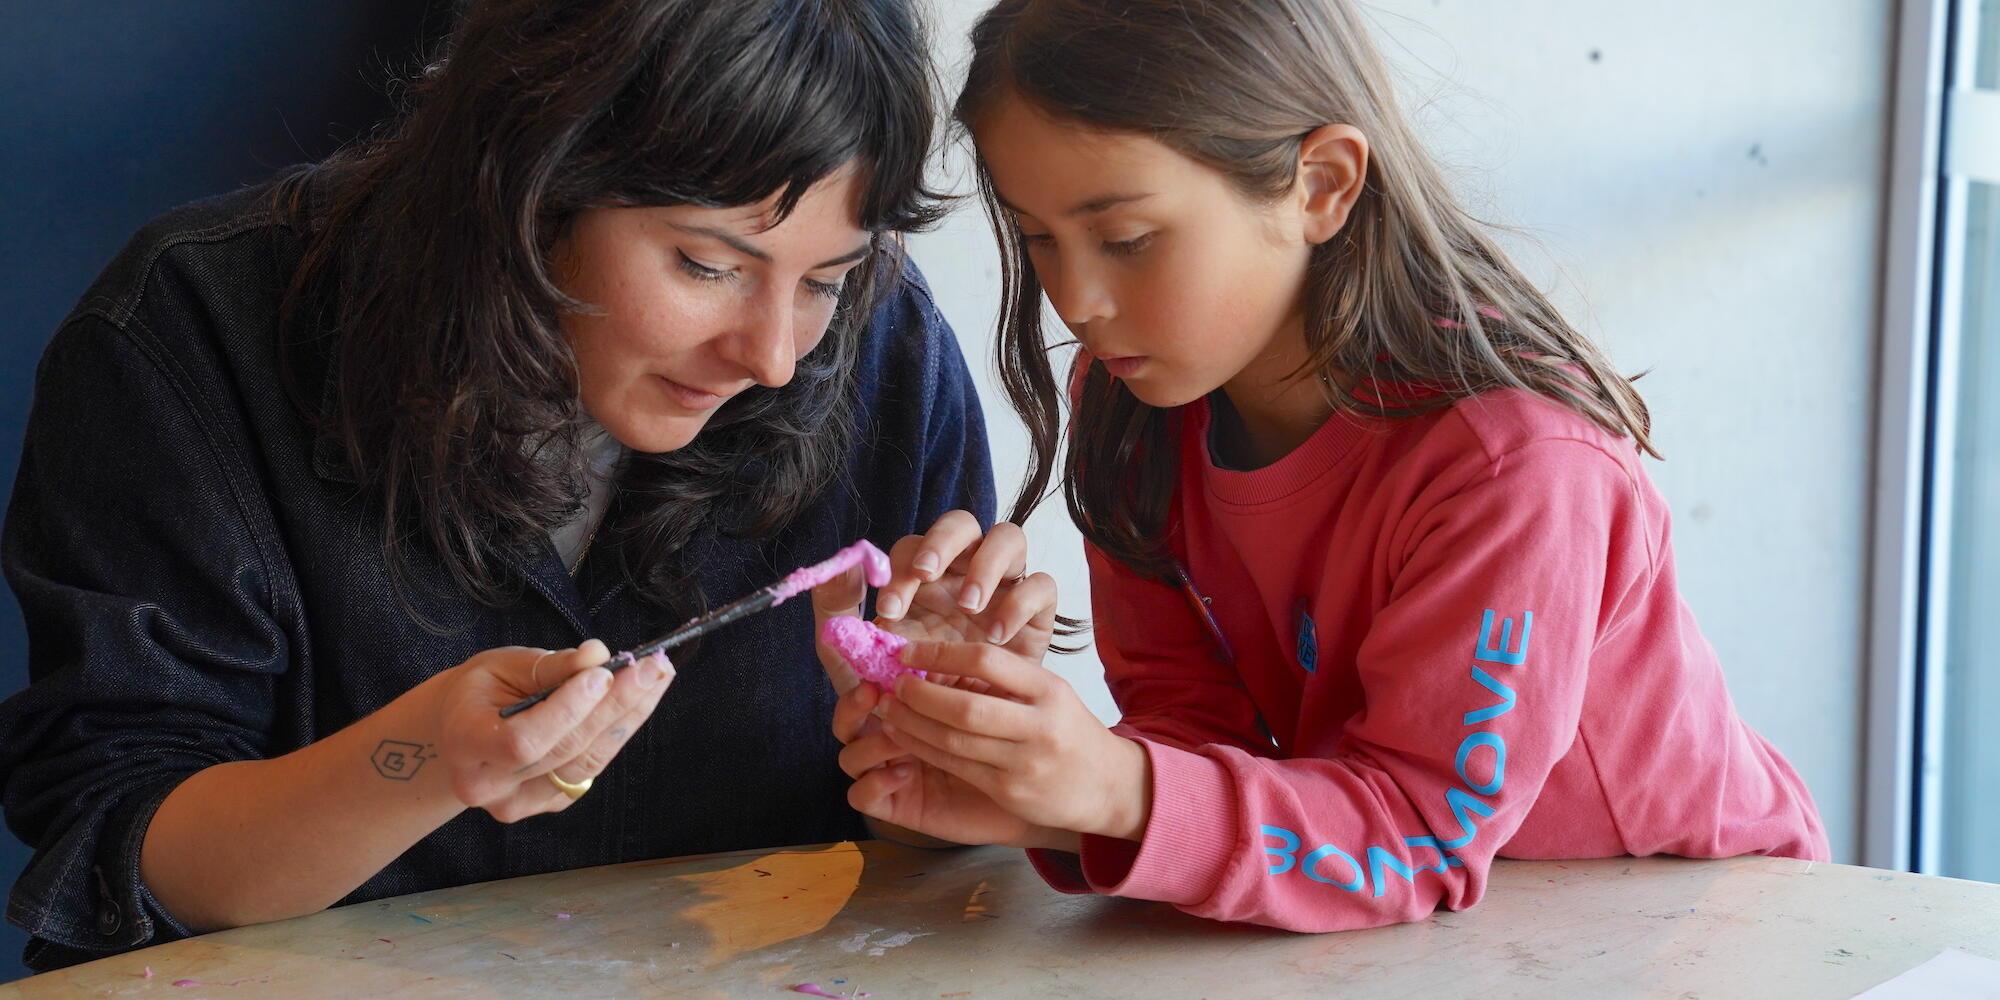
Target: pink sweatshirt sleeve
x: 1473, y: 674
x: 1170, y: 689
x: 1169, y: 686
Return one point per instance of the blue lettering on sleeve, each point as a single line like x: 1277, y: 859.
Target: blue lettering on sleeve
x: 1289, y: 852
x: 1311, y: 867
x: 1488, y: 652
x: 1474, y: 742
x: 1464, y: 805
x: 1380, y: 859
x: 1506, y: 704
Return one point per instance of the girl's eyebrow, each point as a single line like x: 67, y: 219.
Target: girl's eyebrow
x: 1090, y: 206
x: 1105, y: 202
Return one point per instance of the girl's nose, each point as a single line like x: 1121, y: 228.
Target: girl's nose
x: 1079, y: 296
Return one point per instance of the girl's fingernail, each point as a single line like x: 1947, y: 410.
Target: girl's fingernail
x: 595, y: 680
x: 889, y: 606
x: 996, y: 635
x: 969, y: 597
x: 927, y: 563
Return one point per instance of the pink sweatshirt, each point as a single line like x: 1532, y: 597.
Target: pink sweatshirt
x: 1454, y: 637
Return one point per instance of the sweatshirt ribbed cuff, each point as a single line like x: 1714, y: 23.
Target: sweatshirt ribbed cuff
x: 1189, y: 839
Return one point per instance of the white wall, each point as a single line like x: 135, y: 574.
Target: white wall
x: 1705, y: 183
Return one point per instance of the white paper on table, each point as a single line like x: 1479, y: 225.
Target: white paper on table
x: 1953, y: 975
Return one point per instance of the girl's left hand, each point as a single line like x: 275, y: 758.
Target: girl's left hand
x: 954, y: 582
x: 957, y: 583
x: 1028, y: 742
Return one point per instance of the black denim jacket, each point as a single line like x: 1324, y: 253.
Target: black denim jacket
x: 200, y: 585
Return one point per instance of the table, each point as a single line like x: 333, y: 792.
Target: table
x: 897, y: 922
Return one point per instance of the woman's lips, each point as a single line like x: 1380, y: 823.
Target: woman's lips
x: 692, y: 398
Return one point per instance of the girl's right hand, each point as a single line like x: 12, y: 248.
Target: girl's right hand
x: 502, y: 765
x: 954, y: 583
x: 892, y: 787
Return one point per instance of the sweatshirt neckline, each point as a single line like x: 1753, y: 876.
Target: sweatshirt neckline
x: 1335, y: 442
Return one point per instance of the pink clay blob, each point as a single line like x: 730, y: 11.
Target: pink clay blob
x: 875, y: 565
x: 872, y: 652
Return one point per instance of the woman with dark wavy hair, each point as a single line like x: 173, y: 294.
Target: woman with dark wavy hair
x: 609, y: 325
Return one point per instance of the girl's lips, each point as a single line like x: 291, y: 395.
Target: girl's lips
x: 1123, y: 367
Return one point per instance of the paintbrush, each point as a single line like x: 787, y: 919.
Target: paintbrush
x: 863, y: 553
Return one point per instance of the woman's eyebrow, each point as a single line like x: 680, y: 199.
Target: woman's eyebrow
x: 748, y: 249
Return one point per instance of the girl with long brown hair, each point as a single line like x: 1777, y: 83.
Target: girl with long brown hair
x: 1378, y: 577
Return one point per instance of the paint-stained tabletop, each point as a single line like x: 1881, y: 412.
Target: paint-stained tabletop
x: 880, y: 920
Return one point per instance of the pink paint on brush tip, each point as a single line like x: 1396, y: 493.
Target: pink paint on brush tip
x: 863, y: 553
x: 872, y: 652
x: 185, y: 983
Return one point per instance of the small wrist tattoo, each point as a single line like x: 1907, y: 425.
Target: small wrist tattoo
x: 400, y: 761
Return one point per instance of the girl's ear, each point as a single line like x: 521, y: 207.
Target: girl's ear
x: 1333, y: 170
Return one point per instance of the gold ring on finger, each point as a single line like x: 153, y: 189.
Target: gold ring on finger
x: 573, y: 789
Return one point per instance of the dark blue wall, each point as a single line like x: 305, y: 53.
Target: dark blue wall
x: 111, y: 113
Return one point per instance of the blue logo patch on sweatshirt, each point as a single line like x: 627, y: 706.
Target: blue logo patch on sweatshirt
x: 1308, y: 641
